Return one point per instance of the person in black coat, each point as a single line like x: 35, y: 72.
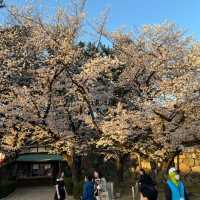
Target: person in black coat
x: 145, y: 179
x: 60, y: 193
x: 147, y: 186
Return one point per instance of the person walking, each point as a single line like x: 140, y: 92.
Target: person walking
x: 60, y: 193
x: 100, y: 185
x: 88, y: 189
x: 175, y: 188
x: 145, y: 179
x: 147, y: 187
x: 97, y: 185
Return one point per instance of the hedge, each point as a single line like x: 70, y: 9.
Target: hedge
x: 7, y: 187
x: 7, y: 180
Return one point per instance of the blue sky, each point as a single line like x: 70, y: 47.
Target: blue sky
x: 135, y: 13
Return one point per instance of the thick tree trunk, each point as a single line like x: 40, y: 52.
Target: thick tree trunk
x: 178, y: 162
x: 139, y: 160
x: 76, y: 168
x: 74, y: 163
x: 74, y: 174
x: 121, y: 169
x: 154, y: 170
x: 167, y: 163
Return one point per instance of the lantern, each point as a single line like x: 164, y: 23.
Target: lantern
x: 2, y: 158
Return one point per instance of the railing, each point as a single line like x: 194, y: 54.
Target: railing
x: 109, y: 194
x: 135, y: 191
x: 34, y: 149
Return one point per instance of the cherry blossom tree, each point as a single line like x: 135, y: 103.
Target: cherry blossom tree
x: 141, y: 96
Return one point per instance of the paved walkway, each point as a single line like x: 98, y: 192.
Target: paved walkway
x: 32, y: 193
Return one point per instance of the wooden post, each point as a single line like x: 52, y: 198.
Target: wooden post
x: 136, y: 189
x: 107, y: 196
x: 59, y: 168
x: 178, y: 162
x: 104, y: 196
x: 133, y: 193
x: 112, y: 190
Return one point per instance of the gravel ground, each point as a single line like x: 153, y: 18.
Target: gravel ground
x: 32, y: 193
x: 47, y: 193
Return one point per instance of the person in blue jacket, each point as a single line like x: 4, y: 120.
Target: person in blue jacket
x: 88, y: 189
x: 175, y: 188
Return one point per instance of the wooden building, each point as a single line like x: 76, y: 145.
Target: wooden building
x: 36, y: 166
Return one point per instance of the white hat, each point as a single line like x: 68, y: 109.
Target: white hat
x: 172, y: 170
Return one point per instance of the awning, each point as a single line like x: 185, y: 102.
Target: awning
x: 39, y: 157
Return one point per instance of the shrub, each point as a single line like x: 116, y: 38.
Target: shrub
x: 78, y: 189
x: 75, y: 189
x: 69, y: 185
x: 7, y: 187
x: 7, y: 179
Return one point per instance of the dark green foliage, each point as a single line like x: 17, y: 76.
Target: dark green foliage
x: 69, y: 185
x: 109, y: 169
x: 75, y: 189
x: 7, y: 179
x: 8, y: 172
x: 128, y: 174
x: 78, y: 189
x: 90, y: 49
x: 7, y: 187
x: 67, y: 171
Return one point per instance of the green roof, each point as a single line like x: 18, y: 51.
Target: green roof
x: 39, y: 157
